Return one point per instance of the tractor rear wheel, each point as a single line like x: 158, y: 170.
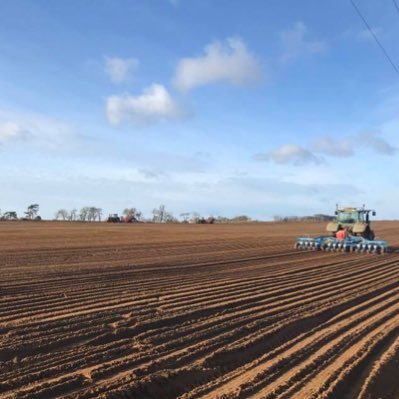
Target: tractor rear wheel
x: 368, y: 234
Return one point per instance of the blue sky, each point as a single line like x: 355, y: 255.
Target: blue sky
x: 221, y: 107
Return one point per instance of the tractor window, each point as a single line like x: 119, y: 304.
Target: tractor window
x: 350, y: 217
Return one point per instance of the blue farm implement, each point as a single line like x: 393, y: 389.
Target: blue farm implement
x: 349, y: 244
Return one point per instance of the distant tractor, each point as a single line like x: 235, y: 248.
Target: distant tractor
x: 210, y: 220
x: 355, y: 220
x: 113, y: 218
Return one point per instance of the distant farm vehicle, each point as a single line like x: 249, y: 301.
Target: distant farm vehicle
x: 210, y: 220
x: 129, y: 219
x: 357, y: 235
x: 115, y: 218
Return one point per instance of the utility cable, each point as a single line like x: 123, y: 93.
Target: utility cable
x: 396, y: 5
x: 375, y: 37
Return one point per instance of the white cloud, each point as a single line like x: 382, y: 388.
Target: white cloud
x: 38, y: 131
x: 374, y: 141
x: 289, y: 154
x: 346, y: 147
x: 295, y: 43
x: 327, y: 146
x: 228, y: 61
x: 153, y: 105
x: 334, y: 148
x: 13, y: 131
x: 119, y: 69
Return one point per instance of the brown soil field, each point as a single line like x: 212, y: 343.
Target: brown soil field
x: 194, y: 311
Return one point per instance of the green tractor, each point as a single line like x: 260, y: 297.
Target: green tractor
x: 356, y: 220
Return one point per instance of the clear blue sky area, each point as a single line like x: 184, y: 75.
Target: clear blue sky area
x: 222, y: 107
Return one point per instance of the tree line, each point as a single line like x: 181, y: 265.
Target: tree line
x: 158, y: 215
x: 95, y: 214
x: 314, y: 218
x: 86, y: 214
x: 31, y: 213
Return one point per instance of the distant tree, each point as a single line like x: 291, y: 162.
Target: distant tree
x: 323, y: 217
x: 73, y: 215
x: 99, y: 213
x: 159, y: 214
x: 195, y: 217
x: 10, y: 215
x: 61, y: 214
x: 130, y: 212
x: 92, y: 213
x: 241, y: 219
x: 32, y: 211
x: 169, y: 218
x: 84, y: 212
x: 185, y: 216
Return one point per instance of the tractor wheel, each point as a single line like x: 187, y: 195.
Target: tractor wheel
x: 368, y: 234
x: 371, y: 235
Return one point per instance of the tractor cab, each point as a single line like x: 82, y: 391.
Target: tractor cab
x: 350, y: 216
x: 356, y: 220
x: 353, y: 215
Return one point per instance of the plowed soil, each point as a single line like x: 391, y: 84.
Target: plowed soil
x: 194, y: 311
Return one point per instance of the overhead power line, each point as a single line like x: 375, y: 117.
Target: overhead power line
x: 396, y: 5
x: 375, y: 37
